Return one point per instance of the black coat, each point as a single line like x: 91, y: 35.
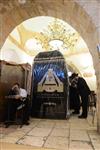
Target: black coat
x: 82, y: 87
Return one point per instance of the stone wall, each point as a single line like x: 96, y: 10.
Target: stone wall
x: 93, y: 10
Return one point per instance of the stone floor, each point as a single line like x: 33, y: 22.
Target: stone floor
x: 71, y: 134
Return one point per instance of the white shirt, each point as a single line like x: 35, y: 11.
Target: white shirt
x: 23, y: 92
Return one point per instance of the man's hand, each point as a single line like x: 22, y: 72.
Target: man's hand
x: 17, y: 97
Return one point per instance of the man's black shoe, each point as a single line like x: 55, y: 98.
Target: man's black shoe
x: 75, y: 112
x: 82, y: 117
x: 27, y: 123
x: 7, y: 124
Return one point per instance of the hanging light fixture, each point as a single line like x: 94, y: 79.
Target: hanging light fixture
x: 60, y: 37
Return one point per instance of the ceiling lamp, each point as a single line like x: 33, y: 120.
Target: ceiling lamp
x: 56, y: 44
x: 87, y: 62
x: 69, y: 73
x: 59, y: 36
x: 33, y: 44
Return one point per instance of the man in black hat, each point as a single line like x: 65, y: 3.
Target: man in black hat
x: 84, y: 92
x: 74, y: 97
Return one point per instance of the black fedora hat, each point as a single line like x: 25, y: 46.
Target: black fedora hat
x: 74, y: 75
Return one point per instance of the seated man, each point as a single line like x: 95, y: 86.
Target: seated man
x: 15, y: 98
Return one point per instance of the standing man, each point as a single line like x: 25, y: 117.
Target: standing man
x: 74, y: 98
x: 84, y: 93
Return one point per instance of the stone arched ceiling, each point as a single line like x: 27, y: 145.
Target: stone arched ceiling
x: 13, y: 13
x: 74, y: 12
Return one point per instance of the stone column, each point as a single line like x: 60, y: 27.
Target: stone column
x: 98, y: 87
x: 98, y: 106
